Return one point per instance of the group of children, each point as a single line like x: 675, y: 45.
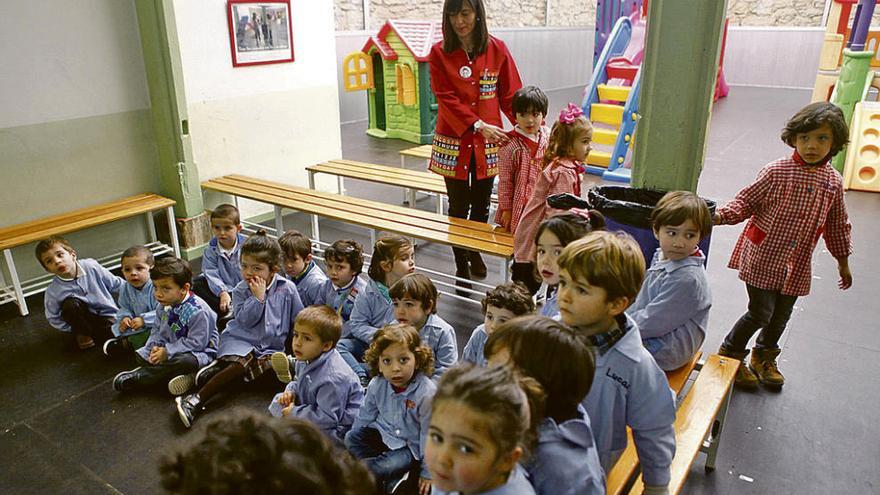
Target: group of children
x: 547, y: 385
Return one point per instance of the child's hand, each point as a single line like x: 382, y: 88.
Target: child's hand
x: 158, y: 355
x: 424, y: 486
x: 286, y: 399
x: 137, y: 323
x: 225, y: 300
x: 124, y: 324
x: 287, y: 410
x: 845, y: 281
x: 258, y: 287
x: 505, y: 220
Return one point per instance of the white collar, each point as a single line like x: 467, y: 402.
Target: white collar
x: 228, y: 252
x: 533, y: 137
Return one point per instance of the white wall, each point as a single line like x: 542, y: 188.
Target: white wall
x: 772, y: 56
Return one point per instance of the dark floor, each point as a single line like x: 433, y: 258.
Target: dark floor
x: 65, y: 431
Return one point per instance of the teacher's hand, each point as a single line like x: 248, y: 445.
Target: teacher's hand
x: 494, y: 134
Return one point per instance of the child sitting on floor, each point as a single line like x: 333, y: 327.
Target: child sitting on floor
x: 301, y: 268
x: 502, y: 303
x: 137, y: 304
x: 266, y: 306
x: 393, y: 257
x: 414, y: 298
x: 344, y: 261
x: 672, y: 308
x: 326, y: 390
x: 221, y: 270
x: 184, y: 338
x: 79, y: 299
x: 599, y: 276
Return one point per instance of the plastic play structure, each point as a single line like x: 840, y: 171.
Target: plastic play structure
x: 862, y: 166
x: 611, y: 99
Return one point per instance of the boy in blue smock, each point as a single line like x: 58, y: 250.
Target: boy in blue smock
x: 300, y: 268
x: 504, y: 302
x: 184, y: 338
x: 79, y: 299
x: 672, y: 308
x: 326, y: 391
x: 221, y: 270
x: 137, y: 305
x: 599, y: 277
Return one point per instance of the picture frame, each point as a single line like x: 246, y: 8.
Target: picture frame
x: 260, y: 32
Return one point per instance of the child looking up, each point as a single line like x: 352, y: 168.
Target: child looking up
x: 551, y: 238
x: 502, y: 303
x: 568, y: 147
x: 599, y: 276
x: 266, y: 306
x: 393, y: 258
x: 414, y: 298
x: 184, y: 338
x: 220, y: 261
x: 672, y: 308
x: 565, y: 460
x: 326, y: 391
x: 137, y: 305
x: 344, y: 261
x: 793, y: 202
x: 390, y: 431
x: 79, y: 299
x: 301, y: 268
x: 482, y: 424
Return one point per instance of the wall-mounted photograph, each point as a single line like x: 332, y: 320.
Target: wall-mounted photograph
x: 260, y: 32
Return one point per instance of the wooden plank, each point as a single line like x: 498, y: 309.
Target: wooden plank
x: 423, y: 151
x: 677, y: 378
x: 695, y: 416
x: 16, y: 235
x: 410, y: 181
x: 421, y: 175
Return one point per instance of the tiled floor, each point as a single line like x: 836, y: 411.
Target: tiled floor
x: 65, y: 431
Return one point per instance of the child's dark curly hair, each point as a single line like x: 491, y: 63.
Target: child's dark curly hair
x: 399, y: 333
x: 512, y: 296
x: 348, y: 251
x: 814, y: 116
x: 247, y: 452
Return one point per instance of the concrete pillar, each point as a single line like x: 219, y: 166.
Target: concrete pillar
x: 680, y: 67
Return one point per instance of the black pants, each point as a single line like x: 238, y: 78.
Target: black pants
x: 769, y: 311
x: 150, y: 375
x: 524, y: 273
x: 200, y: 288
x: 83, y: 322
x: 468, y: 199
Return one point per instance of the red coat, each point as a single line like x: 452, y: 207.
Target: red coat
x: 488, y: 90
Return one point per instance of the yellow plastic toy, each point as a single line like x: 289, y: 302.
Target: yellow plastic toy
x: 861, y: 171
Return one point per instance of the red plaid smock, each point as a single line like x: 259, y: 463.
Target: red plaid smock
x: 519, y: 164
x: 788, y: 206
x: 486, y: 92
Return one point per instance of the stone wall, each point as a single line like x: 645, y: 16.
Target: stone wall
x: 524, y: 13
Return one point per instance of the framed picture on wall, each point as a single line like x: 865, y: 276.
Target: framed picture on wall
x: 260, y: 32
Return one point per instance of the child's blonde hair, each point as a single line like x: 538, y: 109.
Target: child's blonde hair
x: 610, y: 260
x: 387, y: 248
x: 399, y: 333
x: 563, y: 136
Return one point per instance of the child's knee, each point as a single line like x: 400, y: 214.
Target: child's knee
x: 72, y: 308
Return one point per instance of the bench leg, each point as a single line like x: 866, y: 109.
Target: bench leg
x: 710, y: 446
x: 340, y: 185
x: 16, y: 283
x: 311, y: 180
x: 403, y: 165
x: 439, y: 204
x: 279, y: 221
x: 316, y: 230
x: 172, y: 229
x: 505, y: 270
x: 151, y: 226
x: 372, y: 238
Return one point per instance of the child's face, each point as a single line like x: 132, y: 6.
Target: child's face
x: 136, y: 271
x: 251, y: 269
x: 306, y: 344
x: 549, y: 246
x: 410, y: 312
x: 403, y: 264
x: 815, y: 145
x: 397, y: 364
x: 295, y: 264
x: 581, y: 146
x: 530, y: 121
x: 168, y: 293
x: 59, y: 261
x: 495, y: 316
x: 461, y: 455
x: 339, y: 272
x: 586, y: 307
x: 678, y: 241
x: 226, y: 231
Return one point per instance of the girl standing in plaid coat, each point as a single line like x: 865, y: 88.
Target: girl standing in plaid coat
x: 793, y: 202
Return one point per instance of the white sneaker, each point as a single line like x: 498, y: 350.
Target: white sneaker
x: 181, y: 384
x: 281, y: 365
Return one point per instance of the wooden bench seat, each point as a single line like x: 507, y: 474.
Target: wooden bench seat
x: 20, y: 234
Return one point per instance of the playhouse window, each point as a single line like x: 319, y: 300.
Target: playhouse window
x: 357, y: 70
x: 406, y: 85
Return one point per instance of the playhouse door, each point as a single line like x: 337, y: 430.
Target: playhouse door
x: 379, y: 91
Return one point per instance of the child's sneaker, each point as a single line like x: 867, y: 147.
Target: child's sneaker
x: 181, y: 384
x: 188, y: 407
x: 763, y: 363
x: 118, y: 346
x: 126, y: 380
x: 205, y: 374
x: 281, y: 365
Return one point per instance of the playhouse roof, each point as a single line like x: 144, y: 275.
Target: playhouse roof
x: 418, y: 36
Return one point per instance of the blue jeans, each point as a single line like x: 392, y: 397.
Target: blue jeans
x: 366, y: 444
x: 352, y: 351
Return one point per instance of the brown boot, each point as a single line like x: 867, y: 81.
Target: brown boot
x: 744, y: 376
x: 763, y: 363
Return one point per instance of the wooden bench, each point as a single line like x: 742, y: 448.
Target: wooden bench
x: 24, y: 233
x: 376, y: 216
x: 699, y: 421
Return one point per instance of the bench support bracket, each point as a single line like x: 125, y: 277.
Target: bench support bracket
x: 16, y: 283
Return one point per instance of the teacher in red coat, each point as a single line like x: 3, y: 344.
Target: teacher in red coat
x: 473, y: 77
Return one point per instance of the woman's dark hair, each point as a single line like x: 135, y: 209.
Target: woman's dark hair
x: 529, y: 99
x: 387, y: 248
x: 263, y: 249
x: 481, y: 29
x: 349, y: 251
x: 176, y: 269
x: 814, y: 116
x: 569, y: 227
x: 246, y: 452
x: 551, y: 353
x: 399, y: 333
